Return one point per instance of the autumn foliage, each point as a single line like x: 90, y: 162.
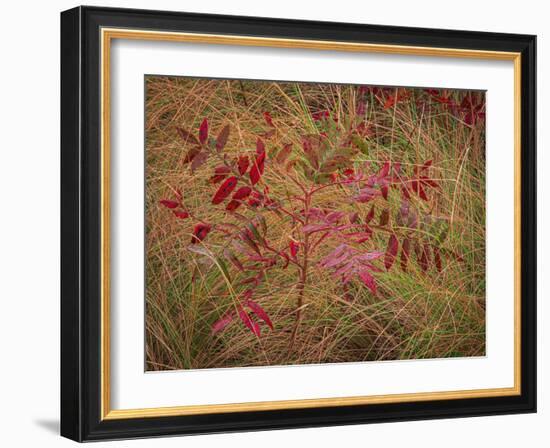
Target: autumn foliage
x: 299, y: 202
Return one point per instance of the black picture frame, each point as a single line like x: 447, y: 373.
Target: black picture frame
x: 81, y: 226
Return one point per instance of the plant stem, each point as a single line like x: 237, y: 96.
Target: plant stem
x: 303, y: 271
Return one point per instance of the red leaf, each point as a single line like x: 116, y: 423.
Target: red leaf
x: 252, y: 326
x: 396, y: 169
x: 430, y: 182
x: 169, y: 204
x: 391, y: 252
x: 199, y: 160
x: 203, y: 131
x: 390, y: 101
x: 360, y: 109
x: 255, y: 199
x: 233, y: 205
x: 437, y: 258
x: 268, y: 119
x: 370, y: 215
x: 199, y: 232
x: 366, y: 194
x: 186, y: 136
x: 221, y: 323
x: 384, y: 171
x: 242, y: 164
x: 293, y: 246
x: 405, y: 251
x: 368, y: 280
x: 220, y: 173
x: 238, y: 196
x: 247, y: 294
x: 427, y: 164
x: 258, y: 168
x: 225, y: 190
x: 334, y: 217
x: 321, y: 115
x: 221, y: 141
x: 339, y: 255
x: 259, y: 311
x: 384, y: 191
x: 182, y: 214
x: 191, y: 154
x: 242, y: 193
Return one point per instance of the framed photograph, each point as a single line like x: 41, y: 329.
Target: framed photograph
x: 276, y: 224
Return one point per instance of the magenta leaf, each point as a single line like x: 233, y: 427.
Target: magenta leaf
x: 199, y: 160
x: 242, y: 193
x: 249, y: 323
x: 367, y: 194
x: 169, y: 204
x: 223, y: 136
x: 220, y: 173
x: 260, y: 147
x: 368, y: 280
x: 293, y: 246
x: 187, y: 137
x: 370, y: 215
x: 384, y: 171
x: 258, y: 168
x: 242, y: 164
x: 203, y: 131
x: 221, y: 323
x: 268, y: 119
x: 349, y: 262
x: 182, y: 214
x: 437, y: 259
x: 238, y: 197
x: 193, y: 152
x: 225, y: 190
x: 391, y: 251
x: 199, y: 232
x: 259, y: 311
x: 321, y: 115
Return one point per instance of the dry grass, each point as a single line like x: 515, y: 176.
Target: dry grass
x: 414, y: 315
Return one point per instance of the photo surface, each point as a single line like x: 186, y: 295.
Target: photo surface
x: 293, y: 223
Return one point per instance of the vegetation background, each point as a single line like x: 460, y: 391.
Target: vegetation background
x: 417, y: 313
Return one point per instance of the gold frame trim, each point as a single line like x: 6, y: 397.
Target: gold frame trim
x: 107, y: 35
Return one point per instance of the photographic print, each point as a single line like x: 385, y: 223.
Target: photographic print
x: 339, y: 234
x: 300, y: 223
